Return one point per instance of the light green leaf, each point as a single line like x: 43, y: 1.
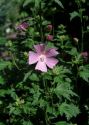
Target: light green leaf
x: 84, y: 72
x: 62, y: 123
x: 27, y: 2
x: 73, y: 51
x: 73, y: 15
x: 59, y: 3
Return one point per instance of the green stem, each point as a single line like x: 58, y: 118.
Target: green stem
x: 79, y: 4
x: 46, y: 92
x: 53, y: 25
x: 82, y: 33
x: 14, y: 61
x: 41, y: 30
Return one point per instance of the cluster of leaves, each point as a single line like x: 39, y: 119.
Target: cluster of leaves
x: 29, y: 97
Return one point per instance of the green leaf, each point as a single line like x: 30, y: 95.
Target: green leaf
x: 85, y: 75
x: 27, y: 2
x: 47, y: 76
x: 58, y: 79
x: 84, y: 72
x: 34, y: 77
x: 73, y: 51
x: 37, y: 3
x: 59, y: 3
x: 61, y: 71
x: 42, y: 103
x: 2, y: 123
x: 12, y: 109
x: 64, y: 90
x: 73, y: 15
x: 52, y: 111
x: 2, y: 41
x: 17, y: 111
x: 62, y: 123
x: 2, y: 81
x: 27, y: 123
x: 70, y: 110
x: 4, y: 65
x: 26, y: 109
x: 3, y: 92
x: 27, y: 76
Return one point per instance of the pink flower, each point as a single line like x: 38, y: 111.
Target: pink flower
x: 22, y: 26
x: 49, y: 27
x: 49, y: 37
x: 43, y: 57
x: 84, y: 55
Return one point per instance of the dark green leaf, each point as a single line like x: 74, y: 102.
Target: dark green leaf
x: 4, y: 64
x: 27, y: 76
x: 70, y: 110
x: 34, y: 77
x: 37, y: 3
x: 2, y: 81
x: 2, y: 41
x: 64, y: 90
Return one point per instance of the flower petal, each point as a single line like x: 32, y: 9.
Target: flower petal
x: 33, y: 57
x: 39, y: 48
x: 51, y: 52
x: 51, y: 62
x: 41, y: 66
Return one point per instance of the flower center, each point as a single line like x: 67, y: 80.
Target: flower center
x: 42, y: 58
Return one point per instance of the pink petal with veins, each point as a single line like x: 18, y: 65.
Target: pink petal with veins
x: 41, y: 66
x: 39, y: 48
x: 51, y: 62
x: 51, y: 52
x: 33, y: 57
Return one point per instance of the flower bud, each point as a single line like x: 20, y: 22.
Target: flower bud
x: 62, y: 37
x: 25, y: 54
x: 49, y: 37
x: 23, y: 26
x: 76, y: 40
x: 49, y: 27
x: 84, y: 55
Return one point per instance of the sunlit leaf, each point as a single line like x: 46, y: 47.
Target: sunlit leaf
x: 73, y: 15
x: 59, y: 3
